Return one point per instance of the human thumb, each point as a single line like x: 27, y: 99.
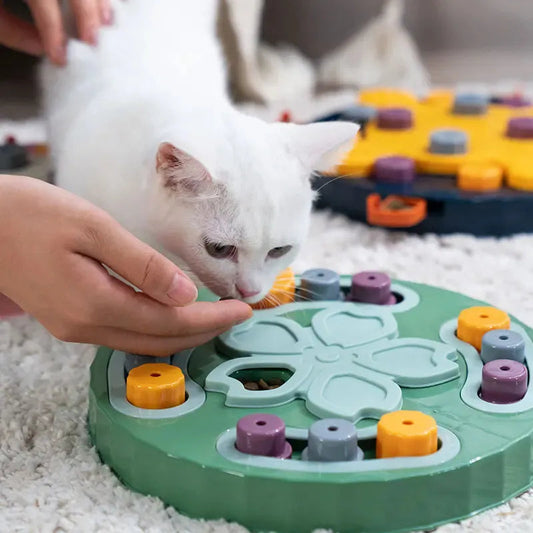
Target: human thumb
x: 138, y: 263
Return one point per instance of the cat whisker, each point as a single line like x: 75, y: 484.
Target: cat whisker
x: 304, y: 298
x: 274, y: 300
x: 331, y: 181
x: 282, y: 292
x: 303, y: 292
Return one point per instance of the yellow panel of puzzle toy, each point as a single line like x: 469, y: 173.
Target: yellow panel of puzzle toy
x: 487, y: 144
x: 358, y: 164
x: 383, y: 97
x: 511, y: 149
x: 282, y: 292
x: 474, y: 322
x: 439, y: 97
x: 155, y: 386
x: 407, y: 142
x: 406, y: 433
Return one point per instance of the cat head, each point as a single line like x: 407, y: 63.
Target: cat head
x: 233, y: 202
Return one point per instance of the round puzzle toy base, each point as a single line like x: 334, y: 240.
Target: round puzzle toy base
x: 449, y: 210
x: 333, y: 359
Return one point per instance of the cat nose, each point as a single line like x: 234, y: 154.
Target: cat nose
x: 246, y: 293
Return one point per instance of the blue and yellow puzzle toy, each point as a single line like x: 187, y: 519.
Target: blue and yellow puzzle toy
x: 451, y: 162
x: 360, y: 405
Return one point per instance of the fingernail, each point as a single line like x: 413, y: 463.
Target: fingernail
x: 60, y: 55
x: 182, y: 290
x: 92, y: 37
x: 244, y: 319
x: 107, y: 16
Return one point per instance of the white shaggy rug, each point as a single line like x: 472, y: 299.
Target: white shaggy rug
x: 51, y: 479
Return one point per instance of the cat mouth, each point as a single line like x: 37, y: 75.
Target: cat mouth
x: 251, y: 300
x: 226, y: 293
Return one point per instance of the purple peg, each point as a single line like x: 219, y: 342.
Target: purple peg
x: 515, y: 100
x: 263, y: 434
x: 372, y: 288
x: 395, y: 118
x: 520, y: 128
x: 503, y: 381
x: 394, y: 169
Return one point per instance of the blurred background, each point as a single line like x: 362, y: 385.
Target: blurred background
x: 478, y: 40
x: 474, y: 40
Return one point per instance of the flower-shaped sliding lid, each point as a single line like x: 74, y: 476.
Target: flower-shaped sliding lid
x: 346, y: 362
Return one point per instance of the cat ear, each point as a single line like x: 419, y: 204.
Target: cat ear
x: 322, y: 144
x: 180, y: 171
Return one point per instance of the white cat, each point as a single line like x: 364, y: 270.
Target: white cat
x: 142, y: 126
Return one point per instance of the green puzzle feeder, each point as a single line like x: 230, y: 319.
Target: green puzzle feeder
x: 345, y: 360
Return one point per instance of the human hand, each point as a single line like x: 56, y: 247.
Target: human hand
x: 51, y: 256
x: 47, y: 35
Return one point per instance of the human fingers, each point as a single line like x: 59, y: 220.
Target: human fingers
x: 101, y: 300
x: 106, y: 13
x: 132, y: 342
x: 118, y: 305
x: 47, y: 16
x: 18, y: 34
x: 87, y: 16
x: 108, y: 242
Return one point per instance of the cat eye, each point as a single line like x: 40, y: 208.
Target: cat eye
x: 220, y: 251
x: 279, y: 251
